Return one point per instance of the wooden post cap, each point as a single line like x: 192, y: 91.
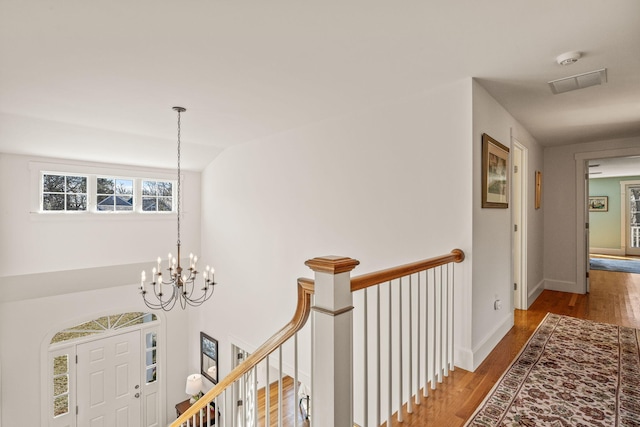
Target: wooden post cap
x: 332, y: 264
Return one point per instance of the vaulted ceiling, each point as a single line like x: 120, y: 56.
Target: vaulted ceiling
x: 96, y: 80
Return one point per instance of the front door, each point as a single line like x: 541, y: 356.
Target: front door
x: 108, y: 387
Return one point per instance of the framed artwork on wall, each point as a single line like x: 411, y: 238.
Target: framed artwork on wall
x: 495, y: 173
x: 538, y: 201
x: 209, y: 357
x: 598, y: 203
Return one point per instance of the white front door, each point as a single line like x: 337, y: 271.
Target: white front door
x: 108, y: 382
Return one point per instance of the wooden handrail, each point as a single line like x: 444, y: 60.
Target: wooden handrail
x: 375, y: 278
x: 305, y: 290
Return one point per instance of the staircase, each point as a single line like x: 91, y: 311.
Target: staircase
x: 378, y: 343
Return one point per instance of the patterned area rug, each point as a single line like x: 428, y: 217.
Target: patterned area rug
x: 571, y: 372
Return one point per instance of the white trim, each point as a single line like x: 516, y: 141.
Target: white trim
x: 491, y: 340
x: 561, y: 285
x: 47, y: 348
x: 607, y: 251
x: 522, y: 301
x: 581, y: 160
x: 92, y: 172
x: 535, y: 293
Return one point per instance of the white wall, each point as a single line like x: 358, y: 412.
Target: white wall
x: 492, y: 270
x: 563, y: 245
x: 61, y: 268
x: 27, y: 326
x: 385, y: 186
x: 35, y: 242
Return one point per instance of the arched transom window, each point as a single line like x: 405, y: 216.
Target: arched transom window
x: 103, y: 324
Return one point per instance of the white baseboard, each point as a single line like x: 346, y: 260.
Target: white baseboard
x: 608, y: 251
x: 491, y: 340
x: 463, y: 358
x: 534, y: 293
x: 562, y: 286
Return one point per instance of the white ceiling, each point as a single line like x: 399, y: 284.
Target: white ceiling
x: 96, y: 80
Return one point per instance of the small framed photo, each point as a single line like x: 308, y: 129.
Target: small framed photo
x: 495, y: 173
x: 538, y: 200
x: 598, y: 204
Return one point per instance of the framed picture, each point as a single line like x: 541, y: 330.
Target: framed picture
x: 538, y: 201
x: 495, y: 173
x: 598, y: 203
x: 209, y: 357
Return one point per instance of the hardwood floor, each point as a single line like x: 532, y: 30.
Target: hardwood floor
x: 614, y: 298
x: 290, y: 408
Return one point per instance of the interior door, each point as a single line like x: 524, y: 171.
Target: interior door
x: 519, y: 206
x: 108, y: 382
x: 587, y: 244
x: 632, y: 196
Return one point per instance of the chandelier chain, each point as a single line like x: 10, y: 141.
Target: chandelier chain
x: 178, y: 194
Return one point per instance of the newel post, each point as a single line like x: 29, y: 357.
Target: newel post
x: 332, y: 358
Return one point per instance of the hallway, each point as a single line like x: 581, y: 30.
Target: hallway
x: 614, y: 298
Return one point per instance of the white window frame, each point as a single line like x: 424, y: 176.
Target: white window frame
x: 92, y: 172
x: 65, y: 193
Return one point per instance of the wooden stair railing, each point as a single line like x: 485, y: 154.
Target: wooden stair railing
x: 371, y: 279
x: 305, y: 290
x: 434, y: 310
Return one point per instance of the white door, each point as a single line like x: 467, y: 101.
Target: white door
x: 108, y: 382
x: 632, y: 231
x: 519, y: 206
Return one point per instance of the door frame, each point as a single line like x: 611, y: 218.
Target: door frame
x: 159, y: 325
x: 582, y: 202
x: 519, y: 218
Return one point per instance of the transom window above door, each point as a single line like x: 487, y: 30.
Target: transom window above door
x: 103, y: 324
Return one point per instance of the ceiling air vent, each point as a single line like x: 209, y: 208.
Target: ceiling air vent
x: 579, y: 81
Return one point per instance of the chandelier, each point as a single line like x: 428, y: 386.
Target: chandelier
x: 177, y: 284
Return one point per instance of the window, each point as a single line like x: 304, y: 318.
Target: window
x: 101, y: 192
x: 64, y: 193
x: 103, y: 324
x: 60, y: 385
x: 151, y: 357
x: 114, y: 194
x: 157, y: 196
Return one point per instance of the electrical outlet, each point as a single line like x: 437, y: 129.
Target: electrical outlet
x: 497, y: 305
